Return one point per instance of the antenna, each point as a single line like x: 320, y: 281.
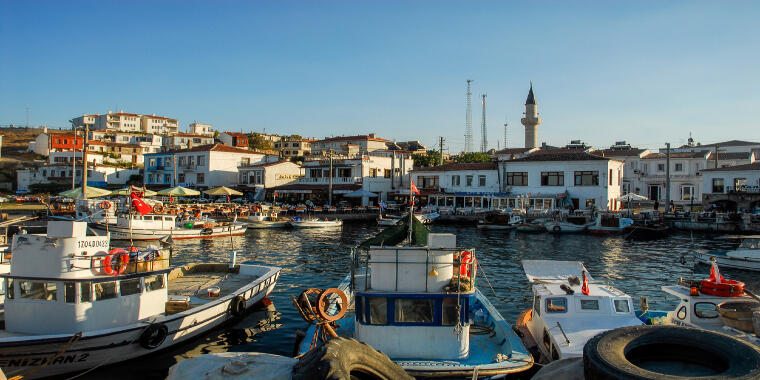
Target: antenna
x: 484, y: 141
x: 27, y: 116
x: 506, y: 124
x: 468, y: 120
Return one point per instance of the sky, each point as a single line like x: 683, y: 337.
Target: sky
x: 647, y: 72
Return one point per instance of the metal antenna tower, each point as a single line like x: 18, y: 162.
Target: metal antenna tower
x: 27, y: 116
x: 484, y: 141
x: 506, y: 124
x: 468, y: 121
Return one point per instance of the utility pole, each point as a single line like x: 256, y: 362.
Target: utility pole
x: 468, y: 120
x: 330, y: 186
x: 441, y: 147
x: 73, y: 158
x: 27, y: 116
x: 84, y: 159
x: 505, y: 133
x: 174, y: 168
x: 484, y: 135
x: 667, y: 177
x: 716, y: 156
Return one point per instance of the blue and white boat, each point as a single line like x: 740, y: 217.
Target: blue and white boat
x: 746, y: 256
x: 420, y: 305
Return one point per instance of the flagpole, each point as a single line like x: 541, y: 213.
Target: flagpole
x: 411, y: 211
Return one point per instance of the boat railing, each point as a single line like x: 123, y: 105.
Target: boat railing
x: 132, y: 266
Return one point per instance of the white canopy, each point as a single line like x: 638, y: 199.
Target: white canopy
x: 632, y: 197
x: 553, y: 270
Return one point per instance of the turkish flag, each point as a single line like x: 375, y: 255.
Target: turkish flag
x: 715, y: 275
x: 584, y: 288
x: 414, y: 188
x: 140, y: 205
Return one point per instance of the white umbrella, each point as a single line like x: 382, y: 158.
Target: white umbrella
x: 632, y: 197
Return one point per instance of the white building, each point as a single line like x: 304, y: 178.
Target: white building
x: 732, y: 188
x: 55, y: 141
x: 293, y: 147
x: 262, y: 176
x: 459, y: 185
x: 200, y: 167
x: 186, y: 141
x: 128, y: 122
x: 200, y: 129
x: 361, y: 144
x: 631, y: 158
x: 97, y: 175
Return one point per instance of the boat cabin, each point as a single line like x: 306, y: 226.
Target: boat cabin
x: 416, y: 287
x: 698, y: 311
x: 62, y: 274
x: 148, y: 222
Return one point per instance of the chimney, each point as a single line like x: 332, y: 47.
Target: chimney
x: 373, y: 135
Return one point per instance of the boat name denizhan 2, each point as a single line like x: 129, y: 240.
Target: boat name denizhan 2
x: 93, y: 243
x: 33, y: 362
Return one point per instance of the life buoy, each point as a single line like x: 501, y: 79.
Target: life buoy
x: 557, y: 229
x: 725, y: 288
x: 158, y: 208
x: 466, y: 258
x: 207, y: 231
x: 254, y: 208
x: 324, y: 303
x: 153, y: 336
x: 105, y: 205
x: 237, y: 306
x: 121, y: 257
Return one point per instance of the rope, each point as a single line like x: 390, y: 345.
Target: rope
x: 487, y: 280
x: 74, y: 338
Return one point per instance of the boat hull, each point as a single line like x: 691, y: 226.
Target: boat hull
x: 121, y: 233
x: 727, y: 261
x: 316, y: 224
x: 267, y: 224
x: 27, y: 355
x: 564, y: 227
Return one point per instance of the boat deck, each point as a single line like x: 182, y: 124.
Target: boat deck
x: 193, y: 281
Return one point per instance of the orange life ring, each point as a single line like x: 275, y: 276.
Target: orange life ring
x: 465, y: 258
x: 254, y: 208
x: 105, y: 205
x: 158, y: 208
x: 725, y: 288
x: 122, y: 259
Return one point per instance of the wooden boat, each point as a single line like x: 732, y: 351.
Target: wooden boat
x: 265, y: 217
x: 569, y: 308
x: 418, y: 305
x: 298, y: 222
x: 746, y: 256
x: 154, y: 226
x: 107, y: 307
x: 500, y: 222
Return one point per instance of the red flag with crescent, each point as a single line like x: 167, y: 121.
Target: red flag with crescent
x: 584, y: 288
x: 140, y: 205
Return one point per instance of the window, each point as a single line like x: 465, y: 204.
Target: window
x: 181, y: 177
x: 37, y: 290
x: 610, y: 177
x: 455, y: 180
x: 344, y: 172
x: 378, y: 311
x: 9, y: 292
x: 69, y: 292
x: 552, y: 179
x: 387, y: 173
x: 359, y: 309
x: 587, y: 178
x: 681, y: 313
x: 705, y: 310
x: 556, y: 305
x: 660, y: 167
x: 105, y: 290
x: 373, y: 173
x: 129, y: 287
x: 85, y: 292
x: 717, y: 185
x: 154, y: 282
x: 449, y: 311
x: 590, y: 203
x: 430, y: 182
x: 414, y: 310
x: 481, y: 180
x: 589, y: 304
x: 245, y: 161
x: 152, y: 162
x: 200, y: 178
x: 517, y: 178
x: 537, y: 305
x: 621, y: 306
x: 740, y: 183
x: 679, y: 167
x: 687, y: 192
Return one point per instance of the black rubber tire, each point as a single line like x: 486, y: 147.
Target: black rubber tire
x: 153, y: 336
x: 207, y: 231
x: 344, y: 359
x: 237, y: 306
x: 556, y: 229
x: 609, y: 355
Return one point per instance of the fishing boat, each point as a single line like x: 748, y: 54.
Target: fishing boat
x: 89, y: 210
x: 536, y: 226
x: 569, y: 308
x: 714, y: 303
x: 387, y: 221
x: 419, y: 305
x: 299, y: 222
x: 746, y: 256
x: 265, y: 217
x: 500, y: 222
x: 74, y: 303
x: 646, y: 231
x: 570, y: 224
x: 134, y: 226
x: 609, y: 224
x: 426, y: 218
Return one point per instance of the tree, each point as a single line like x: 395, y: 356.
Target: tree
x: 135, y: 179
x: 258, y: 142
x: 297, y: 159
x: 429, y: 158
x: 295, y: 137
x: 472, y: 157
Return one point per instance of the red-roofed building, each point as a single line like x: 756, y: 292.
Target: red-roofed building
x: 234, y: 139
x: 342, y: 144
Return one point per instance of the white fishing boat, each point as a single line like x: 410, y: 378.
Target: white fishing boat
x: 500, y: 222
x: 569, y: 308
x: 265, y: 217
x: 745, y: 256
x: 609, y: 224
x: 73, y: 303
x: 93, y: 211
x: 427, y: 218
x: 134, y: 226
x: 299, y: 222
x: 387, y: 221
x: 418, y: 305
x: 570, y: 224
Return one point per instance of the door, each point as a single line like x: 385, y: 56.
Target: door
x: 654, y: 192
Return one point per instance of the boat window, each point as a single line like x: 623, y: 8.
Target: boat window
x: 378, y: 311
x: 681, y: 314
x: 37, y: 290
x: 129, y: 287
x: 9, y: 288
x: 168, y: 218
x: 105, y: 290
x: 556, y: 305
x: 449, y: 310
x: 419, y: 310
x: 621, y: 306
x: 705, y: 310
x: 537, y: 305
x: 148, y: 217
x: 85, y: 292
x: 69, y: 292
x: 589, y: 304
x: 358, y: 305
x: 154, y: 282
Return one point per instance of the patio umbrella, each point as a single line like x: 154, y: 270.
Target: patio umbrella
x: 360, y: 193
x: 92, y: 192
x: 632, y: 197
x: 179, y: 191
x: 130, y: 189
x: 222, y: 190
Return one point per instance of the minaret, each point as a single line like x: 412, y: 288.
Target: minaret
x: 531, y: 120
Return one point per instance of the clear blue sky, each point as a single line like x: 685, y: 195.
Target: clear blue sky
x: 643, y: 71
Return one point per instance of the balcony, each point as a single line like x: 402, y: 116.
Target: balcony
x: 326, y: 180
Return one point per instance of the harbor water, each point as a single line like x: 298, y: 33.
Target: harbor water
x: 319, y: 258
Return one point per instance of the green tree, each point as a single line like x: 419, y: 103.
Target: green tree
x: 258, y: 142
x: 472, y: 157
x: 296, y: 137
x: 427, y: 159
x: 298, y: 159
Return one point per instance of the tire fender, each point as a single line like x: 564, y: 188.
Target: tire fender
x: 237, y: 306
x: 153, y: 336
